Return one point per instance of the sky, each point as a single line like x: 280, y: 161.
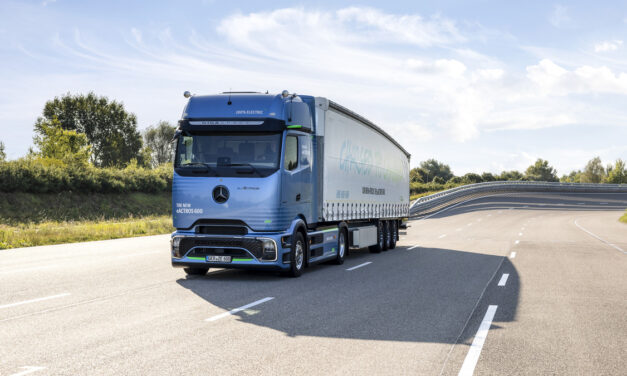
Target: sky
x: 480, y: 85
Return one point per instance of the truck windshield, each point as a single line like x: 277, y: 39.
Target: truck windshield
x: 229, y: 154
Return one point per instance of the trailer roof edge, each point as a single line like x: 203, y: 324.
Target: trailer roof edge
x: 367, y: 122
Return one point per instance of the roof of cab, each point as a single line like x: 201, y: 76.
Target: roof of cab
x: 229, y: 105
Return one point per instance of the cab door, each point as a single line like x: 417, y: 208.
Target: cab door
x: 296, y: 189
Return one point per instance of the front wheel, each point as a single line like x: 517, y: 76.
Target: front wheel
x: 297, y: 255
x: 195, y: 271
x: 342, y: 247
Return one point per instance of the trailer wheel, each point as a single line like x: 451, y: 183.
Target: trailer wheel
x: 380, y: 246
x: 342, y: 247
x: 297, y: 255
x: 195, y: 271
x: 388, y: 235
x: 393, y: 234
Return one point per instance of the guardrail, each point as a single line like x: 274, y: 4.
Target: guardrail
x: 427, y: 204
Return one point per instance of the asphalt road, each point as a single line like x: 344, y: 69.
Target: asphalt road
x: 438, y: 304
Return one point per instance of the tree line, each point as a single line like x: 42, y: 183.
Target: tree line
x: 89, y: 129
x: 432, y: 171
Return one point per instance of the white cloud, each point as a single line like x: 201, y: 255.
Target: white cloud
x: 553, y: 79
x: 608, y: 46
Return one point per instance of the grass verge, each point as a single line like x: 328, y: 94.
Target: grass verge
x: 44, y: 233
x: 416, y: 196
x: 623, y: 218
x: 28, y: 219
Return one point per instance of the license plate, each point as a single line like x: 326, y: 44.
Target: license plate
x: 218, y: 258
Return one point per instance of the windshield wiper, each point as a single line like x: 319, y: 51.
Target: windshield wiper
x: 244, y: 164
x: 199, y: 164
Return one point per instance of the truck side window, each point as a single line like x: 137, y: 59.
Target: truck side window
x: 305, y: 150
x: 291, y: 153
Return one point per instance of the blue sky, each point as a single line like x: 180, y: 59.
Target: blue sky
x: 482, y: 86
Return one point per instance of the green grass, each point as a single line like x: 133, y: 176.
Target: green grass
x: 416, y: 196
x: 623, y: 218
x: 28, y: 219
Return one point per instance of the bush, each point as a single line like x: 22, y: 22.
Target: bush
x: 46, y: 175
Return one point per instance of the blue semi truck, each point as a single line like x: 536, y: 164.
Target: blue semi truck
x: 279, y: 182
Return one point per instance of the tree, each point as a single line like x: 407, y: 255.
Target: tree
x: 573, y: 177
x: 3, y: 154
x: 618, y: 174
x: 55, y: 142
x: 593, y: 172
x: 541, y: 171
x: 511, y: 175
x: 438, y: 180
x: 110, y: 130
x: 471, y: 178
x: 416, y: 175
x: 159, y: 140
x: 432, y: 168
x: 487, y: 176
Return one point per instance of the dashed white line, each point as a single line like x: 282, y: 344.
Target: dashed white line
x: 600, y: 239
x: 512, y: 255
x: 503, y: 279
x: 468, y: 368
x: 441, y: 236
x: 364, y: 264
x: 517, y: 241
x: 34, y: 300
x: 412, y: 247
x: 27, y: 370
x: 236, y: 310
x: 520, y: 234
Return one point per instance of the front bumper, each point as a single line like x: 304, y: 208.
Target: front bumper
x: 246, y: 251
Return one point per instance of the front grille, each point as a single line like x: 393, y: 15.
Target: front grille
x: 222, y: 230
x: 253, y: 246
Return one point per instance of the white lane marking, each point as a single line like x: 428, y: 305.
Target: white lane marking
x: 503, y: 280
x: 441, y: 236
x: 468, y: 368
x: 602, y: 240
x: 517, y: 241
x: 27, y: 370
x: 459, y: 229
x: 236, y: 310
x: 3, y: 272
x: 520, y: 234
x: 512, y: 255
x: 470, y: 224
x: 34, y: 300
x: 365, y: 263
x: 412, y: 247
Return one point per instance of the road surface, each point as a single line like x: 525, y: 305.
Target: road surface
x: 528, y: 284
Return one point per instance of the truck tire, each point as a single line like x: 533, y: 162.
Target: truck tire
x: 394, y: 232
x: 195, y: 271
x: 297, y: 255
x: 388, y: 235
x: 342, y: 247
x: 377, y: 248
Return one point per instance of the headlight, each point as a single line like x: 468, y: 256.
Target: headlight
x: 269, y: 249
x: 174, y: 243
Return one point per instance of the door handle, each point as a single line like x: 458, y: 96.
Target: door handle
x: 298, y: 197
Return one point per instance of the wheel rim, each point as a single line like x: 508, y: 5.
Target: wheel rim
x: 342, y: 245
x: 298, y: 253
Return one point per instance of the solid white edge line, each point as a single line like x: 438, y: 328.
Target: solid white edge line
x: 236, y: 310
x: 34, y: 300
x: 468, y: 368
x: 503, y: 280
x: 412, y: 247
x: 364, y: 264
x: 27, y: 370
x: 600, y: 239
x: 512, y: 255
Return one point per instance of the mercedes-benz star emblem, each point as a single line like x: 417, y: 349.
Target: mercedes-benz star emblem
x: 220, y: 194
